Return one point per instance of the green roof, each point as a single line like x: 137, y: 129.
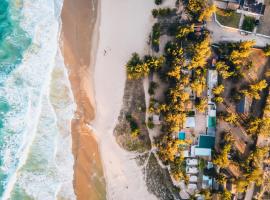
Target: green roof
x: 206, y: 141
x: 211, y: 122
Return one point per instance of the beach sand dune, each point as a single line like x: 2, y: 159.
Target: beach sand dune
x: 124, y: 28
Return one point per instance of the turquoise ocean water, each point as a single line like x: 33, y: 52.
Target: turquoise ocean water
x: 36, y: 103
x: 13, y: 43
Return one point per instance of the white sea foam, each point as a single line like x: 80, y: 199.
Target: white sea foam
x: 38, y: 154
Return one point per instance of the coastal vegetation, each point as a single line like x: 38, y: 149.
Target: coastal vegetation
x: 248, y: 23
x: 138, y: 68
x: 179, y: 74
x: 228, y: 17
x: 155, y: 37
x: 266, y: 50
x: 163, y: 12
x: 158, y: 2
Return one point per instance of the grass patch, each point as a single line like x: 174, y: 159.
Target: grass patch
x: 249, y: 23
x: 228, y: 18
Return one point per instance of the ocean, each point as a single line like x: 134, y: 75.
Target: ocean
x: 36, y: 103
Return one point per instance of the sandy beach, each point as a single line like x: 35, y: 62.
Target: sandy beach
x: 79, y: 40
x: 124, y: 28
x: 121, y: 31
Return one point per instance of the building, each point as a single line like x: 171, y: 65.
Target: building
x: 190, y: 122
x: 207, y: 182
x: 243, y: 107
x: 156, y: 119
x: 192, y: 162
x: 191, y: 170
x: 204, y: 148
x: 252, y: 7
x: 247, y: 7
x: 227, y: 4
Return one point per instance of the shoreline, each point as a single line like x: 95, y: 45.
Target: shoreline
x: 79, y: 36
x: 120, y: 38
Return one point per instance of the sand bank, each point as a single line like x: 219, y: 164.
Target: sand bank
x: 124, y: 28
x: 79, y: 37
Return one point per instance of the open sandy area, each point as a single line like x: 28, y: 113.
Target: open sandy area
x: 79, y: 37
x: 124, y: 28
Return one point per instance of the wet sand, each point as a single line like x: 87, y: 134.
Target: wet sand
x: 79, y: 41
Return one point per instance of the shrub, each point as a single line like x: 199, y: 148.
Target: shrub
x: 158, y: 2
x: 150, y: 123
x: 135, y: 131
x: 155, y: 37
x: 249, y: 24
x: 136, y: 68
x: 266, y: 50
x: 163, y: 12
x: 152, y: 87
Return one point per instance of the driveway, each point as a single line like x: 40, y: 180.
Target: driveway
x: 220, y: 34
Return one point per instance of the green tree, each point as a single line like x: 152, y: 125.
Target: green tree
x: 241, y: 185
x: 231, y: 118
x: 221, y: 159
x: 207, y: 13
x: 241, y: 52
x: 248, y: 23
x: 152, y: 87
x: 266, y: 50
x: 218, y: 90
x: 254, y: 89
x: 183, y: 31
x: 154, y: 63
x: 201, y: 53
x: 201, y: 104
x: 218, y: 99
x: 253, y: 126
x: 158, y: 2
x: 156, y: 33
x: 223, y: 70
x: 136, y: 68
x: 226, y: 195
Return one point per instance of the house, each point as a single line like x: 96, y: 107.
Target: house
x: 186, y: 153
x: 156, y: 119
x: 204, y: 148
x: 207, y: 182
x: 227, y: 4
x: 192, y: 188
x: 206, y: 141
x: 193, y: 179
x: 202, y: 152
x: 243, y: 107
x: 191, y: 170
x: 184, y: 195
x: 252, y: 7
x: 233, y: 5
x: 234, y: 170
x: 192, y: 162
x: 190, y: 122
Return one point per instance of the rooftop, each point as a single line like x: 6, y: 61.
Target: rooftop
x: 192, y: 161
x: 212, y: 78
x: 253, y: 6
x: 204, y: 152
x: 206, y: 141
x: 190, y: 122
